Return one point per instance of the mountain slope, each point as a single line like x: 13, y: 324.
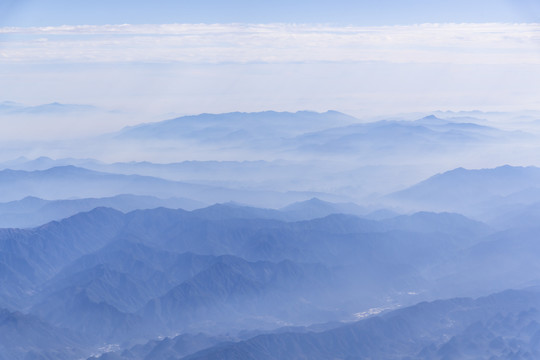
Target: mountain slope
x: 234, y: 291
x: 34, y: 255
x: 32, y: 211
x: 27, y: 337
x: 316, y: 208
x: 227, y: 127
x: 460, y: 189
x: 73, y: 182
x: 450, y: 329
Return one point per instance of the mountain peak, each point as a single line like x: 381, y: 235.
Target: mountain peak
x: 431, y: 120
x: 302, y: 205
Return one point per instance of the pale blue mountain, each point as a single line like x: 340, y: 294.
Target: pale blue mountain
x: 434, y: 120
x: 259, y: 172
x: 46, y: 109
x: 66, y: 182
x: 517, y: 214
x: 461, y: 125
x: 360, y: 160
x: 519, y: 209
x: 26, y: 205
x: 9, y: 106
x: 232, y: 210
x: 385, y: 137
x: 446, y: 223
x: 259, y: 175
x: 276, y: 175
x: 381, y: 214
x: 330, y: 131
x: 306, y: 137
x: 468, y: 191
x: 32, y: 211
x: 504, y: 259
x: 44, y: 163
x: 233, y: 127
x: 303, y: 210
x: 316, y: 208
x: 70, y: 181
x: 483, y: 116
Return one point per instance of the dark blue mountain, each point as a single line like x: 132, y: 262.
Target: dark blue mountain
x: 234, y: 291
x: 157, y: 272
x: 29, y: 257
x: 28, y: 337
x: 168, y: 348
x: 503, y: 326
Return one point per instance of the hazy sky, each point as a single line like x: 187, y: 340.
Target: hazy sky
x: 157, y: 58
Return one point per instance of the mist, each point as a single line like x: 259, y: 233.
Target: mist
x: 276, y: 190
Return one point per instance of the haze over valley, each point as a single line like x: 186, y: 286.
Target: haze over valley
x: 269, y: 180
x: 120, y: 259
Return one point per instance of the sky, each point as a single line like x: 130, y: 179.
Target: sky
x: 147, y: 61
x: 341, y: 12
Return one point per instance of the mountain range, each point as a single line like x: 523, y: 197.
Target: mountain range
x: 130, y: 277
x: 65, y: 182
x: 10, y: 107
x: 473, y: 192
x: 500, y: 326
x: 272, y: 235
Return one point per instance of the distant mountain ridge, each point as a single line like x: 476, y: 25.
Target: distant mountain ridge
x: 69, y: 181
x: 226, y: 124
x: 33, y: 211
x: 51, y: 108
x: 322, y: 225
x: 461, y: 189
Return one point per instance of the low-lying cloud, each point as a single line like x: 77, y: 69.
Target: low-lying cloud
x: 273, y: 43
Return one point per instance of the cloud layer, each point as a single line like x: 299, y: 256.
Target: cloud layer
x: 273, y: 43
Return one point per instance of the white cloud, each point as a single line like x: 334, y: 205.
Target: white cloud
x: 273, y: 43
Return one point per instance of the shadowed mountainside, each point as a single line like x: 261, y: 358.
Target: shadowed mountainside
x: 501, y: 326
